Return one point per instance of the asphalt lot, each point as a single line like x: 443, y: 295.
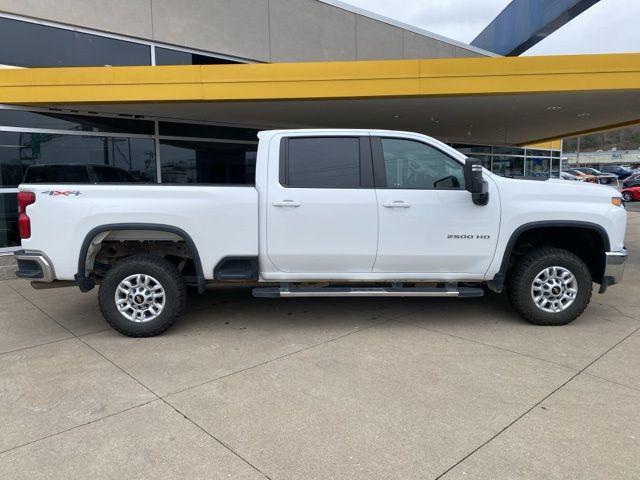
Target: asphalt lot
x: 345, y: 388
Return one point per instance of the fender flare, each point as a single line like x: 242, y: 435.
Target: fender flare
x: 497, y: 283
x: 85, y: 284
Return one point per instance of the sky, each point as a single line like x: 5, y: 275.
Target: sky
x: 610, y: 26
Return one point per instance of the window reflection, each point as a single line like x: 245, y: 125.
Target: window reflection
x: 508, y: 166
x: 26, y: 44
x: 207, y: 162
x: 19, y: 150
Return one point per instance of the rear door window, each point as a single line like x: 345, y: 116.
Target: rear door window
x: 322, y: 162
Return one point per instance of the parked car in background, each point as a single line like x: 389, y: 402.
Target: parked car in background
x: 583, y: 177
x: 569, y: 176
x: 620, y: 172
x: 632, y: 181
x: 630, y: 194
x: 604, y: 178
x: 72, y: 173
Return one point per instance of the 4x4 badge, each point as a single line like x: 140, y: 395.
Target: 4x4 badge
x: 64, y: 193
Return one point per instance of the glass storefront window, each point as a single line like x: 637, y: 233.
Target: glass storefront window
x: 26, y: 44
x: 207, y: 162
x: 508, y: 166
x: 9, y: 220
x: 172, y: 129
x: 508, y: 150
x: 473, y: 150
x: 19, y: 150
x: 555, y: 168
x: 538, y: 167
x: 84, y: 123
x: 167, y: 56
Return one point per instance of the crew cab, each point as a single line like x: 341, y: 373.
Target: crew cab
x: 332, y: 213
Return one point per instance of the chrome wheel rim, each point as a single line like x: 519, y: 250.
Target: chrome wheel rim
x: 140, y: 298
x: 554, y: 289
x: 626, y: 197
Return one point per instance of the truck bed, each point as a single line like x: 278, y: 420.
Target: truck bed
x: 221, y: 220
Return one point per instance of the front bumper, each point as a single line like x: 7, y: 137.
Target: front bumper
x: 614, y: 268
x: 34, y: 266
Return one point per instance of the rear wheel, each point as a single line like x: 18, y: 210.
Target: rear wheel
x: 550, y: 286
x: 142, y: 295
x: 627, y: 196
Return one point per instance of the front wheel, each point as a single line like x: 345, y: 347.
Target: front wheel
x: 550, y: 286
x: 142, y: 295
x: 627, y: 196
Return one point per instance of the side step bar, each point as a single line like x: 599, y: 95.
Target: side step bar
x: 292, y: 292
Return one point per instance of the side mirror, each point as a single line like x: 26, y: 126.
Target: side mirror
x: 474, y: 183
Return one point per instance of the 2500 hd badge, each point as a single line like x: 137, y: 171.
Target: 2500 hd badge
x: 467, y: 237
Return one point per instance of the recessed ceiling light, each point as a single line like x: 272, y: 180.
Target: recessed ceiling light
x: 554, y: 107
x: 584, y: 114
x: 396, y: 116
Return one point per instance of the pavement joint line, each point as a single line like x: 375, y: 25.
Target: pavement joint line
x: 308, y: 347
x: 36, y: 346
x: 157, y: 397
x: 612, y: 381
x: 526, y: 412
x: 206, y: 432
x: 528, y: 355
x: 79, y: 426
x: 617, y: 310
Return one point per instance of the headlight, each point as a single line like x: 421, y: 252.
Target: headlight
x: 617, y: 201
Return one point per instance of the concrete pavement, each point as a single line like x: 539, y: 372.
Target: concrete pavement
x: 301, y: 389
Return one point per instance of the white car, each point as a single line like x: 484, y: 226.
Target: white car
x: 332, y: 213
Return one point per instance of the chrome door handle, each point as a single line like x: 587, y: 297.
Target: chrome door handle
x: 396, y: 204
x: 286, y: 203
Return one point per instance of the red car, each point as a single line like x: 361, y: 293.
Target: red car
x: 630, y: 194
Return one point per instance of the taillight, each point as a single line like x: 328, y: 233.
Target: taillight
x: 24, y: 223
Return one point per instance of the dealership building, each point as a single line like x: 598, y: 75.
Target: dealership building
x: 176, y: 91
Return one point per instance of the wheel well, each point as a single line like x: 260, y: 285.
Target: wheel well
x: 588, y: 244
x: 107, y: 245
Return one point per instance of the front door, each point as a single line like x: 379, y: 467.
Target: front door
x: 322, y: 216
x: 428, y: 222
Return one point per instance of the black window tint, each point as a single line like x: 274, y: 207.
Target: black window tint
x: 166, y: 56
x: 85, y: 123
x: 414, y: 165
x: 26, y: 44
x: 323, y: 162
x: 207, y: 162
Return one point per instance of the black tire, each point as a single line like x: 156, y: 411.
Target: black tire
x: 627, y: 196
x: 165, y: 273
x: 525, y: 271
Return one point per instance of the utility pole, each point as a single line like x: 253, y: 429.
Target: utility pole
x: 578, y: 153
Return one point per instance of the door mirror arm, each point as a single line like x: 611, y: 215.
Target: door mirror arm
x: 475, y: 184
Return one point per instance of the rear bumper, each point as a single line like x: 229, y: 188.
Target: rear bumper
x: 614, y: 268
x: 35, y: 266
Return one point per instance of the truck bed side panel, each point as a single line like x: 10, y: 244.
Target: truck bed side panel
x: 221, y: 220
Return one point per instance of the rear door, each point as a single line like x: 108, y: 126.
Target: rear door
x: 321, y: 207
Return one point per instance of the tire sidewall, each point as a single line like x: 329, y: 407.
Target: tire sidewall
x: 174, y: 295
x: 583, y: 278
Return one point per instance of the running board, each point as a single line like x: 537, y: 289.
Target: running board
x: 291, y: 292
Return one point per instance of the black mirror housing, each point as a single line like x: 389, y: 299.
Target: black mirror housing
x: 475, y: 184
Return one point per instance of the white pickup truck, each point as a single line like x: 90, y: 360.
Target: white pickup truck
x: 332, y: 213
